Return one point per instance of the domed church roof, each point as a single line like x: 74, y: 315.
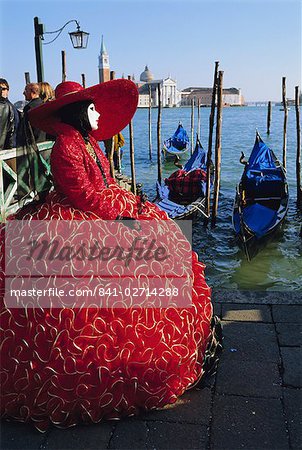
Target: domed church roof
x: 146, y: 75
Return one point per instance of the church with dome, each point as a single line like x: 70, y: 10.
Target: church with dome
x: 171, y: 96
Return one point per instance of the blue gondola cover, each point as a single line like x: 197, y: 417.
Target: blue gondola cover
x: 198, y: 160
x: 251, y: 216
x: 261, y: 157
x: 179, y: 142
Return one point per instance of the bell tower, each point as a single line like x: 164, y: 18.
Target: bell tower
x: 104, y: 67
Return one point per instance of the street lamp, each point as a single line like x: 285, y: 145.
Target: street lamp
x: 78, y: 38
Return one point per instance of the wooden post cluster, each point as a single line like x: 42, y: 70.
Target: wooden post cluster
x: 269, y: 117
x: 63, y: 54
x: 298, y: 158
x: 211, y: 126
x: 285, y: 119
x: 159, y: 169
x: 218, y: 147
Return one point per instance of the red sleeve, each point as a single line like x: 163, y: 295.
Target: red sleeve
x: 71, y: 178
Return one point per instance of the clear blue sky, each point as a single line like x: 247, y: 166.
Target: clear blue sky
x: 256, y: 42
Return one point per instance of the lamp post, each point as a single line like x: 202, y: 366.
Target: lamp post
x: 39, y: 31
x: 78, y: 38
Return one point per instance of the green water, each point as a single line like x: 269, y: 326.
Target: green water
x: 279, y: 265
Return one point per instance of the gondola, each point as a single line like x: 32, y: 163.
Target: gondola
x: 261, y: 201
x: 179, y: 202
x: 178, y: 144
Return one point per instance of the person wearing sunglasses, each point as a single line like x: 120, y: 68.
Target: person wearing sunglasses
x: 8, y: 118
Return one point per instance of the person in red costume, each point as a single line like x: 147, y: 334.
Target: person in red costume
x: 68, y: 365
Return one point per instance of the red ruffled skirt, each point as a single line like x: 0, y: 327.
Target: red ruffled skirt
x: 66, y: 366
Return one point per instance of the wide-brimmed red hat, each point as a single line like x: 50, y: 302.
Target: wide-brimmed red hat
x: 115, y: 100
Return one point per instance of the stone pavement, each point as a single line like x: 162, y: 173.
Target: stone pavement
x: 254, y: 400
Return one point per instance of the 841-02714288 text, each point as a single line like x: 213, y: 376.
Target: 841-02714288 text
x: 139, y: 292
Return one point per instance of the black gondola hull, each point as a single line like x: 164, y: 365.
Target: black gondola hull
x: 252, y: 244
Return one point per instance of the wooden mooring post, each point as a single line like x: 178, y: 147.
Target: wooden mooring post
x: 63, y: 55
x: 217, y: 148
x: 110, y: 158
x: 192, y: 125
x: 27, y: 77
x: 111, y: 153
x: 159, y: 169
x: 131, y: 145
x: 150, y: 122
x: 211, y: 126
x: 269, y: 117
x: 285, y: 120
x: 198, y: 118
x: 133, y: 178
x: 83, y: 80
x: 298, y: 157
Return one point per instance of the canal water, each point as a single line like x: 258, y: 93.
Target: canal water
x: 278, y: 267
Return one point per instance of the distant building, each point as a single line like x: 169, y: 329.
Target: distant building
x: 290, y: 101
x: 104, y: 66
x: 146, y: 76
x: 230, y: 97
x: 171, y: 96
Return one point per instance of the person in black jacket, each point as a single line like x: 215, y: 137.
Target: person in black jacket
x: 9, y: 118
x: 32, y: 95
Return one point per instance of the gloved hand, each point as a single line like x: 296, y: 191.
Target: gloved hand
x: 143, y: 197
x: 129, y: 222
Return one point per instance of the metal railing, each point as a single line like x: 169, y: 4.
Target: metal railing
x: 13, y: 180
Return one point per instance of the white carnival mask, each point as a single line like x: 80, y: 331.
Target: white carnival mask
x: 93, y: 116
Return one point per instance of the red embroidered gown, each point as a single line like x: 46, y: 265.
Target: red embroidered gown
x: 65, y: 366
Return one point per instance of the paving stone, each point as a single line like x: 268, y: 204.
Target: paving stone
x: 250, y: 378
x: 129, y: 433
x: 289, y: 334
x: 81, y: 437
x: 242, y: 422
x: 287, y: 313
x: 293, y: 411
x: 257, y: 297
x: 232, y: 296
x: 292, y: 363
x: 282, y: 298
x: 164, y: 435
x: 251, y: 341
x: 193, y: 406
x: 246, y: 313
x: 21, y: 436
